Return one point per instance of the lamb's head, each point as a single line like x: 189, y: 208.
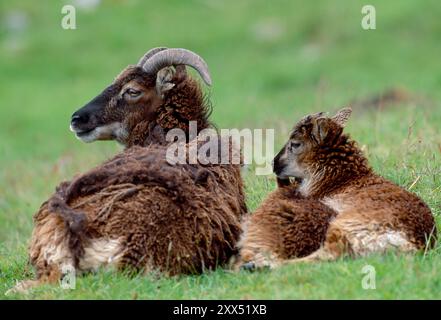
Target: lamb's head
x: 318, y: 149
x: 150, y: 92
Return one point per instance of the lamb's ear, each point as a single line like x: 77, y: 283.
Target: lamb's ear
x: 320, y: 129
x: 164, y: 80
x: 342, y: 116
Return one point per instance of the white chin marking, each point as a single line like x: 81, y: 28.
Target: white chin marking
x: 112, y: 131
x: 89, y: 137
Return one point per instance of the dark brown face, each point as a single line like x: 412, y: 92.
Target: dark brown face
x: 311, y: 137
x: 113, y: 113
x: 130, y: 104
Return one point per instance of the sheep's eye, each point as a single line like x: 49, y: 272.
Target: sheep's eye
x: 132, y: 92
x: 294, y: 145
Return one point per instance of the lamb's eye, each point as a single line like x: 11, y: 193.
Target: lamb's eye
x: 294, y: 145
x: 133, y: 92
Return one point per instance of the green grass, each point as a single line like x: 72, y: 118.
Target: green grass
x: 271, y: 63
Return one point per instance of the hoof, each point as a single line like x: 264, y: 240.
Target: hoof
x: 249, y: 266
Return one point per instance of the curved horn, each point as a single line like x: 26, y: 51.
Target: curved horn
x: 170, y: 57
x: 150, y: 54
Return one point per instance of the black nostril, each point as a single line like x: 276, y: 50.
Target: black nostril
x: 79, y: 119
x: 75, y: 118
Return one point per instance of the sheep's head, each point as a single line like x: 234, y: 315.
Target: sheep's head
x: 311, y: 145
x: 135, y: 95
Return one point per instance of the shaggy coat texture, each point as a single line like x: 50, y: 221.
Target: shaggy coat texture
x: 285, y: 226
x: 185, y: 102
x: 355, y: 211
x: 136, y: 210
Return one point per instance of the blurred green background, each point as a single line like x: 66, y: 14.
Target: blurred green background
x: 271, y: 63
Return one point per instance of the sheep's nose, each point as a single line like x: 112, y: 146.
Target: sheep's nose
x: 79, y: 119
x: 276, y: 168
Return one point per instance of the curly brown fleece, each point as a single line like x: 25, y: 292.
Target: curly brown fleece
x: 165, y: 216
x: 350, y: 210
x: 284, y: 226
x: 185, y: 102
x: 136, y: 210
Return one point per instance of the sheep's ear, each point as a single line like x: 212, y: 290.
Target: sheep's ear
x: 320, y: 129
x: 164, y: 80
x: 342, y: 116
x: 181, y: 73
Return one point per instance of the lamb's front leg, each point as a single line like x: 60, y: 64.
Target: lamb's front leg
x: 256, y: 247
x: 321, y: 254
x: 260, y: 261
x: 270, y: 261
x: 335, y: 246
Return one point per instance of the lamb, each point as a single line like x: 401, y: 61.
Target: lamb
x: 137, y: 211
x: 335, y: 207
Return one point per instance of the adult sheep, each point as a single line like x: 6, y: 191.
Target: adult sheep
x: 137, y: 210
